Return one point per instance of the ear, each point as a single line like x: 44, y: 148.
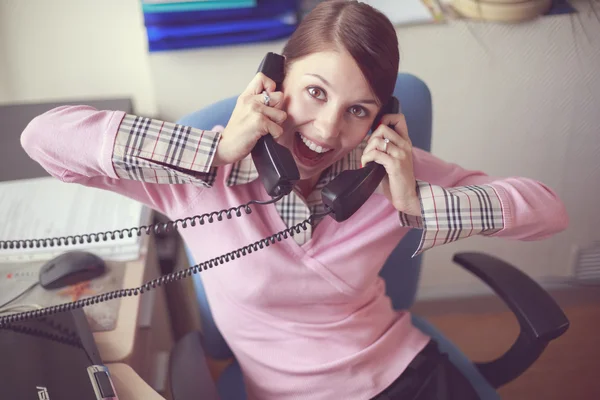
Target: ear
x: 286, y: 65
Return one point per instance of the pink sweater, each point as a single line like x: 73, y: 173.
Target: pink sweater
x: 306, y: 321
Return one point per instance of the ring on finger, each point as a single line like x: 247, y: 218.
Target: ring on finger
x: 266, y: 98
x: 386, y: 141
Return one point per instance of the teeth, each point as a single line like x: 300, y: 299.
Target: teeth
x: 313, y: 146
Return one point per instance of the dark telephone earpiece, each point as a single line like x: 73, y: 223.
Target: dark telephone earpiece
x: 274, y: 163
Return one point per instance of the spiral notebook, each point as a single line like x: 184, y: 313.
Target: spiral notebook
x: 46, y: 208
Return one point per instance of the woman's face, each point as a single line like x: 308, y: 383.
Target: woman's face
x: 330, y: 108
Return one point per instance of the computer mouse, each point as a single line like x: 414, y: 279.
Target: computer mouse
x: 70, y: 268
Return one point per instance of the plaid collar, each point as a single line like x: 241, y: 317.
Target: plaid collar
x: 244, y: 170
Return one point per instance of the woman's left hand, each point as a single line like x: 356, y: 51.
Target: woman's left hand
x: 399, y: 184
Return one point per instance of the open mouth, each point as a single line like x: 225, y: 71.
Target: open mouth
x: 308, y: 152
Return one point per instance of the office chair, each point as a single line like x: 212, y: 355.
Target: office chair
x: 540, y: 318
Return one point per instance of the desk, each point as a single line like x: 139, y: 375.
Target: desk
x: 139, y: 333
x: 142, y: 338
x: 137, y: 350
x: 129, y: 385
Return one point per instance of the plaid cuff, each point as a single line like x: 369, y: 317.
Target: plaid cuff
x: 451, y: 214
x: 154, y: 151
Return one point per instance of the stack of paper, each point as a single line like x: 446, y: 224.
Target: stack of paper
x: 172, y: 25
x: 48, y: 208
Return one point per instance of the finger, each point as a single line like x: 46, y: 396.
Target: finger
x: 393, y: 153
x: 398, y: 124
x: 384, y: 132
x: 378, y: 143
x: 397, y: 153
x: 272, y: 128
x: 259, y: 83
x: 275, y: 99
x: 274, y: 114
x: 380, y: 158
x: 374, y: 143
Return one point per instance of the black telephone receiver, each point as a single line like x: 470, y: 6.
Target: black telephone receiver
x: 348, y: 191
x: 278, y: 171
x: 274, y: 162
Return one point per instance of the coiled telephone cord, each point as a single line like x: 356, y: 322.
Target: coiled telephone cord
x: 120, y: 233
x: 171, y: 277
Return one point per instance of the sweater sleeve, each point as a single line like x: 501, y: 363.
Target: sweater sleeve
x: 457, y: 203
x: 131, y: 155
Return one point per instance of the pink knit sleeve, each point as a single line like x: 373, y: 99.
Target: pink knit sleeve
x: 457, y: 203
x: 138, y: 157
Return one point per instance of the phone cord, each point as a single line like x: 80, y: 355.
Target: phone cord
x: 168, y: 278
x: 147, y: 229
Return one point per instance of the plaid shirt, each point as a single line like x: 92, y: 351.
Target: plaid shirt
x: 154, y: 151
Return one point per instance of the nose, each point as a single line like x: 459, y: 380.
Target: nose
x: 328, y: 122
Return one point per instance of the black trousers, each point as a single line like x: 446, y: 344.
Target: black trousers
x: 430, y: 376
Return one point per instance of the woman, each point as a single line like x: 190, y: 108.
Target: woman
x: 306, y: 318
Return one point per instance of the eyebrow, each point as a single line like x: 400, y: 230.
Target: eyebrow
x: 366, y: 101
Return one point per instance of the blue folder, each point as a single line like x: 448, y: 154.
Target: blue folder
x: 270, y: 20
x: 263, y: 9
x: 241, y: 27
x: 197, y: 5
x: 221, y: 40
x: 560, y: 7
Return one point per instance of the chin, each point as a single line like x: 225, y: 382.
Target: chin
x: 309, y: 162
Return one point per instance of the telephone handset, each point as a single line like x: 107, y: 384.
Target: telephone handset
x: 274, y: 162
x: 278, y: 171
x: 348, y: 191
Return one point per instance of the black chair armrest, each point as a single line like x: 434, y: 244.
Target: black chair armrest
x: 540, y: 318
x: 190, y: 377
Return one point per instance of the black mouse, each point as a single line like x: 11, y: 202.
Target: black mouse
x: 70, y: 268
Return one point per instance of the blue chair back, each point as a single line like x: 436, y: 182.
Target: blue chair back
x: 401, y: 271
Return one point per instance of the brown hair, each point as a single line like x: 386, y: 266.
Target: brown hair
x: 364, y: 32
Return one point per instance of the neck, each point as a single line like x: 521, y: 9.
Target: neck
x: 307, y: 185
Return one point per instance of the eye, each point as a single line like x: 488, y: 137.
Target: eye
x: 317, y: 92
x: 358, y: 111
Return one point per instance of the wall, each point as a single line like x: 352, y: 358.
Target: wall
x: 530, y: 92
x: 191, y: 79
x: 65, y: 49
x: 5, y: 91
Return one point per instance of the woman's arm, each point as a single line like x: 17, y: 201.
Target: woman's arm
x: 138, y: 157
x: 457, y: 203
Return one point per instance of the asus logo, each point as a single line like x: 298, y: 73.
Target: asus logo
x: 42, y: 393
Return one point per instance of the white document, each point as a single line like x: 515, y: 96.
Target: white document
x: 46, y: 208
x: 402, y: 12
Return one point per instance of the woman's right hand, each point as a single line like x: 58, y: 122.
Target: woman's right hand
x: 251, y: 119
